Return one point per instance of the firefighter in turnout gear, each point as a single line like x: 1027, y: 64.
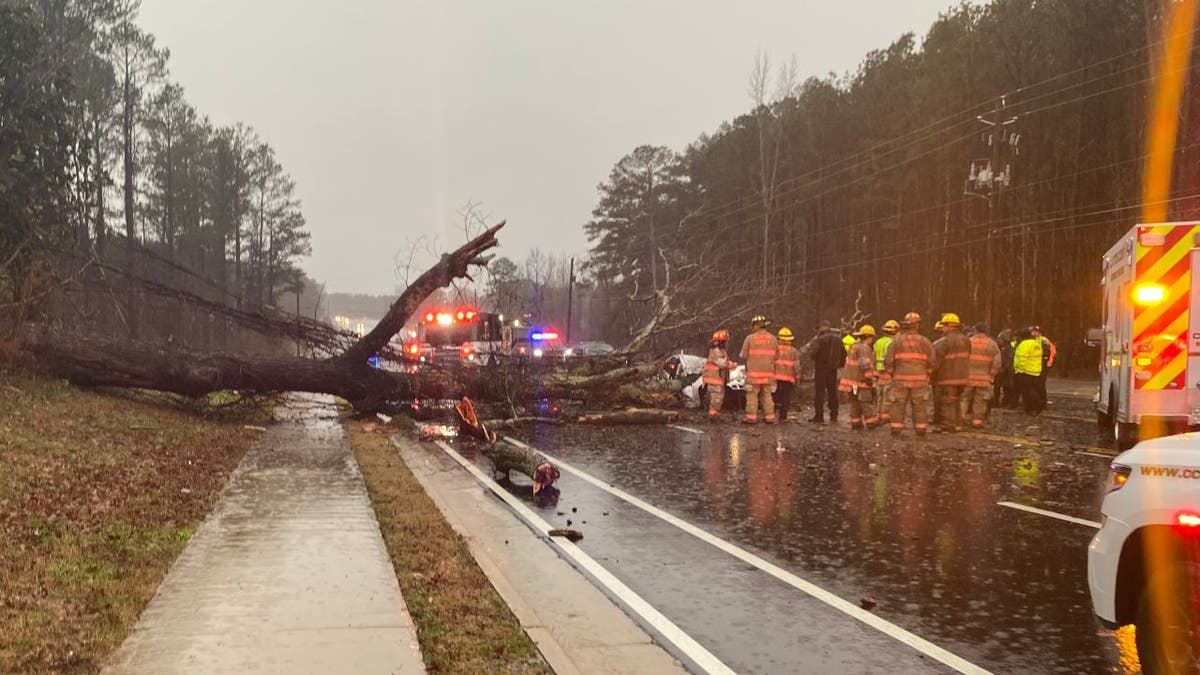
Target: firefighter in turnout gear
x: 787, y: 372
x: 758, y: 351
x: 907, y: 361
x: 716, y: 373
x: 883, y: 387
x: 951, y: 372
x: 985, y: 364
x: 858, y: 380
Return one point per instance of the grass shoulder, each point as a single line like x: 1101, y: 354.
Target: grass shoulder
x: 462, y: 623
x: 98, y: 495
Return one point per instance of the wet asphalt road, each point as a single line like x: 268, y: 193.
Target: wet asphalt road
x: 912, y: 524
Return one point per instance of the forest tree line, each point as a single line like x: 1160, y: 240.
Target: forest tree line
x: 866, y: 188
x: 110, y: 179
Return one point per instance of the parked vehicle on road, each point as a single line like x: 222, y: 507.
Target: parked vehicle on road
x: 1150, y: 356
x: 1144, y: 563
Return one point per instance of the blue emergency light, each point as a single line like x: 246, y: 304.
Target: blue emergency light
x: 541, y: 336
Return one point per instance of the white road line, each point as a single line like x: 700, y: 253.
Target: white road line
x: 687, y: 429
x: 854, y: 611
x: 1050, y: 514
x: 700, y: 656
x: 1105, y: 455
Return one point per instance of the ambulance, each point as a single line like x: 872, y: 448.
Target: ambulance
x: 1150, y: 351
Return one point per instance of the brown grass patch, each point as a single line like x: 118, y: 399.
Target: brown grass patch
x: 98, y: 496
x: 462, y: 623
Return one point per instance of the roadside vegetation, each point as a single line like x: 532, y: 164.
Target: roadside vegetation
x: 98, y: 496
x: 462, y: 623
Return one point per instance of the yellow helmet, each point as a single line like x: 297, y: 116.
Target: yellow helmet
x: 891, y: 326
x: 867, y: 330
x: 950, y: 319
x: 759, y: 320
x: 938, y: 325
x: 785, y: 334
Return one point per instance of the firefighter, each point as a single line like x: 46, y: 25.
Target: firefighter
x: 985, y: 365
x: 858, y: 380
x: 907, y: 361
x: 716, y: 373
x: 937, y: 391
x: 828, y: 355
x: 758, y: 350
x: 951, y: 372
x: 884, y: 382
x: 787, y: 372
x: 1049, y: 352
x: 1027, y: 368
x: 1005, y: 391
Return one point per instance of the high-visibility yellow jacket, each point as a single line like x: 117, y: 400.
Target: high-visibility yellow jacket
x: 881, y: 346
x: 1027, y: 359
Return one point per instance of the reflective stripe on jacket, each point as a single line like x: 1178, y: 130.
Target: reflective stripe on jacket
x: 1027, y: 359
x: 859, y: 370
x: 716, y: 369
x: 908, y: 359
x: 758, y: 351
x: 951, y: 358
x: 787, y: 364
x: 985, y: 360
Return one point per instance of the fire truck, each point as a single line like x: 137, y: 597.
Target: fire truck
x: 450, y: 335
x: 1150, y: 352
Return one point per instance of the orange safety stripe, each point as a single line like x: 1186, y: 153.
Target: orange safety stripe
x: 910, y: 378
x: 912, y: 356
x: 955, y: 382
x: 956, y: 355
x: 761, y: 352
x: 781, y: 362
x: 982, y: 357
x: 1169, y: 266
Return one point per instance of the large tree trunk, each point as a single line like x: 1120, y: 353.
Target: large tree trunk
x: 97, y: 362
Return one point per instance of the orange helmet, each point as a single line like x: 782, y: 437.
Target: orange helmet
x: 721, y: 336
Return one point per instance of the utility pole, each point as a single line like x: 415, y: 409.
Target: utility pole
x: 988, y: 179
x: 570, y: 298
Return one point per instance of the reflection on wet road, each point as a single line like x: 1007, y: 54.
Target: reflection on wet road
x: 914, y: 527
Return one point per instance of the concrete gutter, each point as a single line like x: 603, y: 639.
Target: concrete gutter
x: 575, y: 625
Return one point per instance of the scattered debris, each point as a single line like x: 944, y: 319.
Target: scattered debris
x: 867, y: 602
x: 252, y: 427
x: 571, y: 535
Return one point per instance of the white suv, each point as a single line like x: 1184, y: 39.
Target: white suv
x: 1144, y: 563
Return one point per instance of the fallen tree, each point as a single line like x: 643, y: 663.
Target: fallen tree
x: 89, y: 360
x: 92, y: 361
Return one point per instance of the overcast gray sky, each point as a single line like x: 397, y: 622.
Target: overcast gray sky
x: 391, y: 114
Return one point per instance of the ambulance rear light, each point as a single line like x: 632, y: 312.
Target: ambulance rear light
x: 1144, y: 362
x: 1149, y: 294
x: 1148, y: 238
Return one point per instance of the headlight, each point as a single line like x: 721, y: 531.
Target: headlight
x: 1118, y: 475
x: 537, y: 353
x: 568, y: 351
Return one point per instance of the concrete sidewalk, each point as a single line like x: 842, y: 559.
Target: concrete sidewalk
x: 289, y: 574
